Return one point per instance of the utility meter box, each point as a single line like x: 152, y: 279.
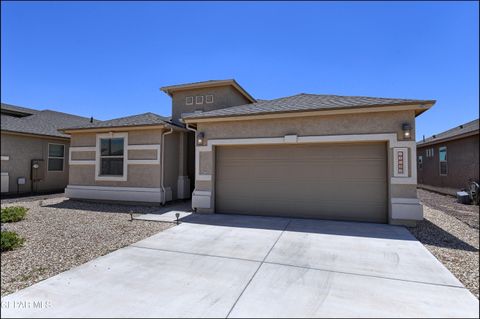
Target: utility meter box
x: 38, y: 170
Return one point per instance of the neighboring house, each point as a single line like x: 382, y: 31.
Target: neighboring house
x: 34, y: 154
x: 307, y: 155
x: 447, y: 161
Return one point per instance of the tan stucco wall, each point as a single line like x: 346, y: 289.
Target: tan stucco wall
x: 224, y: 96
x: 139, y: 175
x: 21, y: 150
x: 351, y: 124
x: 361, y: 123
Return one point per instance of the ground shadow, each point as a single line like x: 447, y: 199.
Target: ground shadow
x: 430, y: 234
x: 326, y: 227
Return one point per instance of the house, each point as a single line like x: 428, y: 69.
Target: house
x: 306, y: 155
x: 447, y: 161
x: 34, y: 153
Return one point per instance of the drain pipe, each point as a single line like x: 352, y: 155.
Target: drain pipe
x: 162, y: 170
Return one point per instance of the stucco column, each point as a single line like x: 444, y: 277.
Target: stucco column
x: 183, y: 182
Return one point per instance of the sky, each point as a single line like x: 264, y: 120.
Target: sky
x: 109, y: 59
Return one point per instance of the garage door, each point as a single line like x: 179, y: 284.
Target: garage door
x: 345, y: 181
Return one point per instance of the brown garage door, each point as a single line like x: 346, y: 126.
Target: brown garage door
x: 345, y: 181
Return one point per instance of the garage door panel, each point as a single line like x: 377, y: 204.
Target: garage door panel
x: 335, y: 181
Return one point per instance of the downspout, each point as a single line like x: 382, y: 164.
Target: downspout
x: 162, y: 169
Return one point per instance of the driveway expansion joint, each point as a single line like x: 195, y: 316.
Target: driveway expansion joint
x: 364, y: 275
x: 258, y: 268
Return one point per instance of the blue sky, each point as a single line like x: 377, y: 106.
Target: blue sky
x: 109, y: 59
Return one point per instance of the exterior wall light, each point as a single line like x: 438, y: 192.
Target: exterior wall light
x: 200, y: 138
x: 407, y: 131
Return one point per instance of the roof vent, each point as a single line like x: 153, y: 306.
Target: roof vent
x: 461, y: 126
x: 434, y: 136
x: 91, y: 119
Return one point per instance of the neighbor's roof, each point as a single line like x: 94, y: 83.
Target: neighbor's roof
x: 206, y: 84
x: 305, y: 102
x: 19, y: 110
x: 456, y: 132
x: 144, y: 119
x: 44, y: 122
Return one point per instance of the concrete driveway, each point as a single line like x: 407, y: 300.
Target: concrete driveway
x: 241, y: 266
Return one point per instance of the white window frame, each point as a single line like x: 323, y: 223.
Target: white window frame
x: 55, y: 157
x: 189, y: 100
x: 123, y: 177
x: 197, y: 99
x: 440, y: 161
x: 420, y: 162
x: 209, y: 96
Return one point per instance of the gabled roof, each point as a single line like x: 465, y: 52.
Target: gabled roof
x: 145, y: 119
x: 460, y: 131
x: 206, y: 84
x: 44, y: 122
x: 306, y: 102
x: 16, y: 110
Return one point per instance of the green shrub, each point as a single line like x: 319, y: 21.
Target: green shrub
x: 13, y: 214
x: 10, y: 241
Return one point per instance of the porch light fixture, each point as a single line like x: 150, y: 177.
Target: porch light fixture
x: 200, y: 138
x: 407, y: 131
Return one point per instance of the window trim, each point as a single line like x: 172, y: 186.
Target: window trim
x: 197, y: 98
x: 123, y: 177
x: 209, y: 96
x: 55, y: 157
x: 440, y: 161
x: 187, y: 100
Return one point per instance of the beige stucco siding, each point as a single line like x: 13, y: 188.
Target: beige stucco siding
x: 362, y: 123
x: 139, y: 175
x: 20, y: 151
x: 224, y: 96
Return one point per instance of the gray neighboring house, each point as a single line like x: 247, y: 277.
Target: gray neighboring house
x: 306, y: 155
x: 34, y: 154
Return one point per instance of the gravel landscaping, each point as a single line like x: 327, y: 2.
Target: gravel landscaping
x: 450, y: 232
x: 61, y: 234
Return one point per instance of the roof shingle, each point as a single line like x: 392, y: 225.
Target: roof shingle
x: 44, y: 122
x: 303, y: 102
x: 134, y: 120
x: 460, y: 130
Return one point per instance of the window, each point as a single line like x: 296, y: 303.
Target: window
x: 209, y: 99
x: 420, y: 162
x: 111, y: 156
x: 199, y: 99
x: 56, y: 156
x: 189, y: 100
x: 442, y: 157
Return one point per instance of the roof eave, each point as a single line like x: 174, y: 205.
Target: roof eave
x: 120, y: 128
x: 419, y: 108
x: 183, y: 87
x: 447, y: 139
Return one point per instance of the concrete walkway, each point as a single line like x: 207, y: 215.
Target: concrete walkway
x: 240, y: 266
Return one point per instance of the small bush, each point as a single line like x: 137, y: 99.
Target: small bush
x: 13, y: 214
x: 10, y: 241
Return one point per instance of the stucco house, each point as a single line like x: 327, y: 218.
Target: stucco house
x: 306, y: 155
x: 447, y: 161
x: 34, y: 154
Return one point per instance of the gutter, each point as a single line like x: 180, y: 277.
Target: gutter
x: 162, y: 169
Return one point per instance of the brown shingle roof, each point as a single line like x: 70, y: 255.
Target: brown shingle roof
x: 457, y: 131
x: 304, y: 102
